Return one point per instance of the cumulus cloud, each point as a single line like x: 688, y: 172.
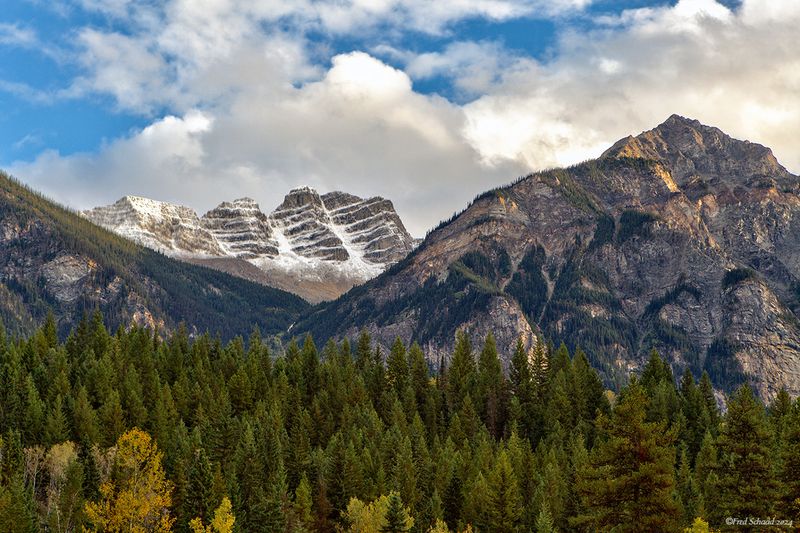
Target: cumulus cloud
x: 253, y: 110
x: 739, y: 70
x: 16, y: 35
x: 359, y: 128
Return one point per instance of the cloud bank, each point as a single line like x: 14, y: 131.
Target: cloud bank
x: 254, y: 106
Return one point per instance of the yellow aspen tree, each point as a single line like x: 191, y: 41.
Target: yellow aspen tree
x: 222, y: 523
x: 137, y: 497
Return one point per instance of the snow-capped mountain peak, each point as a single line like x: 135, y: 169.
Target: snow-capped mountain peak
x: 329, y: 242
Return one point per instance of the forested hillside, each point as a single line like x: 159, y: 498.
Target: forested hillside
x: 52, y: 259
x: 231, y: 438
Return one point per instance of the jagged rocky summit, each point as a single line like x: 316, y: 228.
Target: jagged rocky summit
x: 317, y: 246
x: 680, y: 239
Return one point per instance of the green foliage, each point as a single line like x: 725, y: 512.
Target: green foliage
x: 528, y: 285
x: 736, y: 276
x: 634, y: 223
x: 628, y: 483
x: 721, y: 363
x: 746, y: 475
x: 299, y: 440
x: 572, y: 191
x: 604, y: 231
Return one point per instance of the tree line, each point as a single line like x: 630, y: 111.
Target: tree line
x: 126, y: 431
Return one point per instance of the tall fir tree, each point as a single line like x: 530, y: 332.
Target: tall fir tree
x: 746, y: 483
x: 629, y: 480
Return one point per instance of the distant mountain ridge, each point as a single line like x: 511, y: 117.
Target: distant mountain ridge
x: 680, y: 239
x: 316, y: 246
x: 52, y: 259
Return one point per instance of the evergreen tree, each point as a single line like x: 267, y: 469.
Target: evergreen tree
x: 504, y: 501
x: 544, y: 522
x: 55, y: 429
x: 746, y: 478
x: 628, y: 483
x: 687, y: 490
x: 461, y: 375
x: 397, y: 367
x: 397, y: 518
x: 490, y: 391
x: 200, y: 498
x: 789, y: 505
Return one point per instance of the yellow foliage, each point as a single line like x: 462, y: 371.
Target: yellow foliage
x: 699, y: 526
x: 222, y: 523
x: 196, y: 525
x: 439, y: 527
x: 369, y: 517
x: 137, y: 497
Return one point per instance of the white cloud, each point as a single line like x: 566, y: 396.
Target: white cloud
x: 16, y: 35
x: 256, y: 114
x: 359, y: 128
x: 474, y: 68
x: 699, y: 59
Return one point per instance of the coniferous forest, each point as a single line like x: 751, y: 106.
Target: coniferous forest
x: 126, y: 431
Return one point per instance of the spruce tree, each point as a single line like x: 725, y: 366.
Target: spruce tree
x: 461, y: 374
x: 503, y: 498
x: 397, y: 367
x: 746, y: 478
x: 490, y: 393
x: 200, y: 498
x: 397, y: 519
x: 789, y: 504
x: 629, y: 480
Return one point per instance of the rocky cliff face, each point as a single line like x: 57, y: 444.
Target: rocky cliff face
x: 680, y: 239
x: 315, y: 246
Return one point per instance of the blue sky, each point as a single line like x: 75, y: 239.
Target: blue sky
x: 201, y: 101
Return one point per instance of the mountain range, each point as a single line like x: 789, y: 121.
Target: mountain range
x: 680, y: 239
x: 52, y: 260
x: 316, y: 246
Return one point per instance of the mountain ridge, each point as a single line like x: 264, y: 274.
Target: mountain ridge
x: 693, y: 250
x: 52, y: 259
x: 316, y: 246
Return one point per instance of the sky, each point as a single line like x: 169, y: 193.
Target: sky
x: 427, y: 103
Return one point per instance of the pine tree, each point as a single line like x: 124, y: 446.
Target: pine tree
x: 490, y: 388
x: 504, y: 501
x: 397, y: 518
x: 419, y: 375
x: 710, y: 402
x: 17, y: 508
x: 84, y: 419
x: 544, y: 522
x: 405, y: 474
x: 112, y: 419
x: 55, y: 428
x: 523, y: 409
x: 461, y: 375
x: 629, y: 480
x: 33, y: 423
x: 790, y: 466
x: 705, y: 477
x: 687, y: 490
x: 746, y: 478
x: 302, y: 506
x: 397, y: 367
x: 200, y: 499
